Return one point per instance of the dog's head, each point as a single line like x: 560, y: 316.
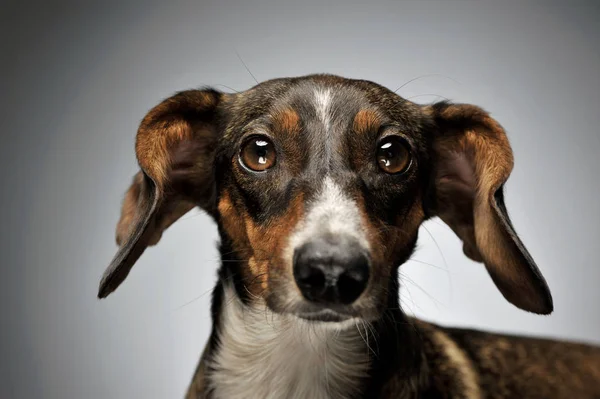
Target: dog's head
x: 318, y: 185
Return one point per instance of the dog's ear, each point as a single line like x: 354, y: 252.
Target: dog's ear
x: 471, y: 161
x: 175, y: 148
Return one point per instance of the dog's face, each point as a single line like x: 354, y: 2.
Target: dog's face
x: 318, y: 185
x: 319, y: 192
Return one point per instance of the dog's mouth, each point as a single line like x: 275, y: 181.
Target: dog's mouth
x: 329, y: 314
x: 325, y: 315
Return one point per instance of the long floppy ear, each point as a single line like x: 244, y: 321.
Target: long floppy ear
x: 175, y: 147
x: 472, y: 160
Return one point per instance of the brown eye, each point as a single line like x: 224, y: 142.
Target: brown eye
x: 258, y: 153
x: 393, y: 155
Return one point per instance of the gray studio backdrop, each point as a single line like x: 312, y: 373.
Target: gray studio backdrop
x: 76, y: 80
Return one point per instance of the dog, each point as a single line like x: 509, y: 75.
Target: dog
x: 318, y: 185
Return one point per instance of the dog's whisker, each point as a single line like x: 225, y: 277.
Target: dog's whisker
x: 427, y: 75
x: 429, y: 264
x: 246, y: 66
x: 435, y: 301
x: 366, y: 338
x: 360, y: 333
x: 426, y: 95
x: 450, y: 286
x: 437, y: 245
x: 373, y: 334
x: 403, y: 300
x: 192, y: 300
x: 227, y: 87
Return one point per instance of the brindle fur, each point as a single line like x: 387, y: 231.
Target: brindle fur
x: 499, y: 366
x: 187, y: 149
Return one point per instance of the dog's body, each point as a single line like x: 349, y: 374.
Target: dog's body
x: 270, y: 358
x: 318, y: 186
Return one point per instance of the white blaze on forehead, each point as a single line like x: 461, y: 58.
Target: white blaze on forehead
x: 332, y: 212
x: 323, y: 106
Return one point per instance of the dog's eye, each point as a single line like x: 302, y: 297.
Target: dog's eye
x: 393, y: 155
x: 258, y: 153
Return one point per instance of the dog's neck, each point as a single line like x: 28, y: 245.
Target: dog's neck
x: 265, y: 355
x: 259, y: 354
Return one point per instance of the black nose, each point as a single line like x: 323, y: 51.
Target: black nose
x: 331, y: 271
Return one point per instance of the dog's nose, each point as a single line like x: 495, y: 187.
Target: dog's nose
x: 331, y: 271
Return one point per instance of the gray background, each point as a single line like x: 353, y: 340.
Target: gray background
x: 77, y: 80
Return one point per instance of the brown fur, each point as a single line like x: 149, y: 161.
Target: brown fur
x: 264, y: 245
x: 287, y: 121
x: 164, y: 128
x: 366, y: 120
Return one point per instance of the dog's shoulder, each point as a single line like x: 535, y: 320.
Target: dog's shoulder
x: 474, y: 363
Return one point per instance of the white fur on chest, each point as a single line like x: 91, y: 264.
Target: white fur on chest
x: 265, y: 355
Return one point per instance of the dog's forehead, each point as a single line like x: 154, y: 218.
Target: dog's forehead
x: 318, y: 101
x: 312, y: 96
